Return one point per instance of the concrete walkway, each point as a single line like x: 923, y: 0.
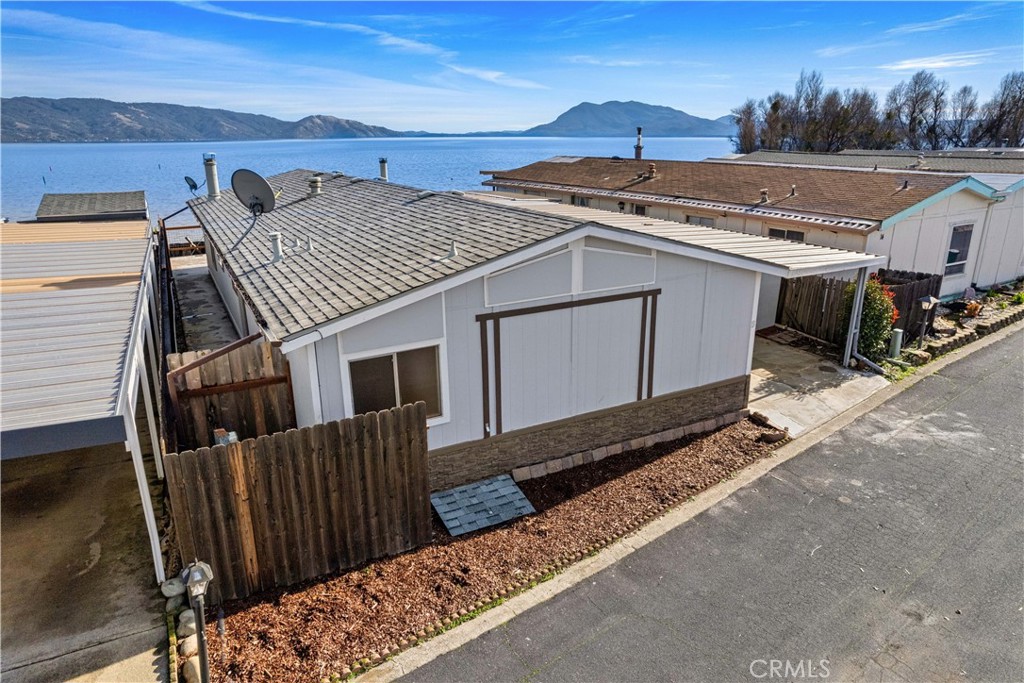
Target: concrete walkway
x: 888, y: 551
x: 205, y: 319
x: 798, y: 390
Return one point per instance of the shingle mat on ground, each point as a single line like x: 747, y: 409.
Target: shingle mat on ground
x: 480, y: 504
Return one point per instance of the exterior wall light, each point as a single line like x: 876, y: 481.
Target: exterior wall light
x: 197, y: 578
x: 927, y: 303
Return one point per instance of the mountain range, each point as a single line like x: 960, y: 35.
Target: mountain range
x: 37, y: 119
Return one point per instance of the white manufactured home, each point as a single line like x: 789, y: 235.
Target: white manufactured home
x: 950, y: 224
x: 529, y: 336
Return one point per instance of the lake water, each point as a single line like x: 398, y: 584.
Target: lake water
x: 30, y: 170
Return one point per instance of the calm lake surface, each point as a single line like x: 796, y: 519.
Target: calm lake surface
x: 30, y: 170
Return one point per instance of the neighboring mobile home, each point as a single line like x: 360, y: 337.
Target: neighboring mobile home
x: 529, y: 336
x: 953, y: 225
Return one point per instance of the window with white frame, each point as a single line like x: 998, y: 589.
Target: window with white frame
x: 959, y: 246
x: 396, y: 379
x: 700, y: 220
x: 791, y: 235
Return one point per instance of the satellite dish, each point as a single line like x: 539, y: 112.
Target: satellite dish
x: 192, y: 186
x: 253, y: 191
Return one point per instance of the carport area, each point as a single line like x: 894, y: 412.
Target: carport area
x: 76, y: 574
x: 800, y: 390
x: 81, y: 556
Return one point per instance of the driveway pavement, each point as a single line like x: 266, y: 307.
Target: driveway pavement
x: 79, y: 598
x: 890, y: 551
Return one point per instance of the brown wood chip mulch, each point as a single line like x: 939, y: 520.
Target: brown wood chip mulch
x: 313, y: 630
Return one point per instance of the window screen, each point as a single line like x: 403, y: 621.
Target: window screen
x: 397, y: 379
x: 793, y: 235
x: 959, y: 246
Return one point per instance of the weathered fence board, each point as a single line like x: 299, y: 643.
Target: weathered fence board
x: 908, y: 288
x: 281, y: 509
x: 813, y: 305
x: 246, y: 391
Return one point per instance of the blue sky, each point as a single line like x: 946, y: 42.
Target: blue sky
x: 467, y: 66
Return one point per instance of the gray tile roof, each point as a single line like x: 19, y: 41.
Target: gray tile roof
x: 480, y: 504
x: 93, y: 206
x: 372, y: 241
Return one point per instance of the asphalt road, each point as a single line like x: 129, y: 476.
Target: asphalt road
x: 891, y: 551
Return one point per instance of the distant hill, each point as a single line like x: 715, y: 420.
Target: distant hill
x: 615, y: 119
x: 36, y: 119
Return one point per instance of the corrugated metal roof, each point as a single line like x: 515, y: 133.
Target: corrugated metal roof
x: 93, y: 205
x: 68, y: 318
x: 796, y: 258
x: 373, y: 241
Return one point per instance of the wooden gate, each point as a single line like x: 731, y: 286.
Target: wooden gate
x: 285, y: 508
x: 813, y: 305
x: 908, y: 288
x: 247, y: 391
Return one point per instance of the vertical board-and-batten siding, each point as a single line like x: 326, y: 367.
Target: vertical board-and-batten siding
x: 704, y: 325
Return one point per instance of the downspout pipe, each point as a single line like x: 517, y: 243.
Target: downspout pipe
x: 869, y: 363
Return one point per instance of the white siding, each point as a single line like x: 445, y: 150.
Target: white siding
x: 545, y: 277
x: 536, y: 368
x: 416, y: 322
x: 1001, y: 251
x: 768, y: 300
x: 606, y: 354
x: 302, y: 363
x: 232, y: 302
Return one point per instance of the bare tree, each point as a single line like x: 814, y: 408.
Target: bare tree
x: 909, y: 104
x: 1002, y: 120
x: 774, y: 127
x: 864, y: 123
x: 963, y: 108
x: 934, y: 115
x: 745, y: 118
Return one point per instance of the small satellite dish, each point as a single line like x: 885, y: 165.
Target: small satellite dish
x: 192, y: 186
x: 253, y: 191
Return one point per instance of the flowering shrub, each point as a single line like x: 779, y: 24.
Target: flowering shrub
x: 876, y: 320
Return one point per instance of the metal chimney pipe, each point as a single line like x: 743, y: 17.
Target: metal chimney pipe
x: 384, y: 169
x: 276, y: 250
x: 638, y: 148
x: 315, y: 186
x: 210, y: 165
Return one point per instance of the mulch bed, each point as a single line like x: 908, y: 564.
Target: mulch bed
x: 344, y: 623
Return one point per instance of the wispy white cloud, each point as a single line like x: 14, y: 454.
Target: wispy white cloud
x: 445, y: 57
x: 591, y: 60
x: 843, y: 50
x: 938, y: 24
x: 947, y: 61
x: 496, y: 77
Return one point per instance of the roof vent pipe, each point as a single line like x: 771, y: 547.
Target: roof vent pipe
x: 210, y: 166
x: 315, y: 186
x: 276, y: 250
x: 638, y: 148
x: 792, y: 191
x: 764, y: 195
x: 651, y: 170
x: 384, y: 169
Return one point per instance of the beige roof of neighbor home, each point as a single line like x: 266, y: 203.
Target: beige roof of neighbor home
x: 843, y: 194
x: 72, y: 231
x: 93, y: 206
x: 944, y: 162
x: 374, y: 241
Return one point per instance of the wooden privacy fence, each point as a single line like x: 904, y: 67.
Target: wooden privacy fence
x: 908, y: 288
x: 813, y: 305
x: 247, y: 391
x: 285, y: 508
